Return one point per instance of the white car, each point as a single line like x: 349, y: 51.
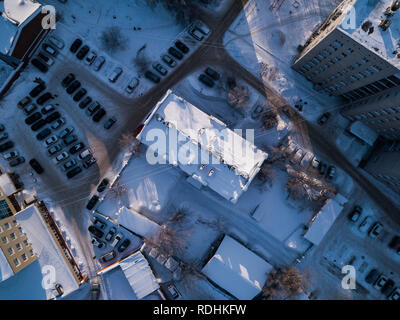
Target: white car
x: 61, y: 157
x: 132, y: 85
x: 90, y: 57
x: 11, y: 155
x: 115, y: 74
x: 98, y: 63
x: 85, y: 154
x: 53, y: 139
x: 365, y: 224
x: 58, y: 123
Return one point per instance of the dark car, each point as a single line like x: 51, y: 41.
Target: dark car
x: 33, y: 118
x: 37, y: 90
x: 96, y: 232
x: 92, y: 202
x: 395, y: 244
x: 79, y: 95
x: 355, y: 214
x: 388, y: 287
x: 70, y: 139
x: 67, y: 80
x: 99, y: 114
x: 75, y: 45
x: 52, y: 117
x: 212, y: 73
x: 89, y: 161
x: 322, y: 168
x: 84, y: 103
x: 17, y: 161
x: 24, y: 102
x: 160, y: 69
x: 43, y: 134
x: 36, y: 166
x: 152, y: 77
x: 103, y: 185
x: 175, y: 53
x: 76, y: 148
x: 43, y: 98
x: 48, y: 48
x: 65, y: 132
x: 324, y: 118
x: 168, y: 60
x: 206, y: 80
x: 82, y: 52
x: 72, y: 173
x: 73, y: 86
x: 39, y: 124
x: 39, y: 65
x: 93, y: 107
x: 47, y: 109
x: 181, y: 46
x: 109, y: 123
x: 6, y: 146
x: 331, y: 172
x: 372, y: 276
x: 125, y: 244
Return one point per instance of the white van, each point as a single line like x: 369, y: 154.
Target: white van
x: 118, y: 237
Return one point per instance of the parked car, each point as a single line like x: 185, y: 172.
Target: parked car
x: 99, y: 115
x: 37, y: 90
x: 181, y: 46
x: 24, y: 102
x: 108, y: 256
x: 43, y: 134
x: 33, y: 117
x: 68, y: 165
x: 98, y: 243
x: 54, y: 149
x: 98, y: 223
x: 49, y: 141
x: 29, y: 109
x: 6, y: 146
x: 115, y: 74
x: 52, y: 117
x: 160, y: 69
x: 212, y: 73
x: 124, y: 244
x: 90, y: 57
x: 103, y: 185
x: 132, y: 85
x: 387, y: 288
x: 322, y: 168
x: 118, y: 237
x: 44, y: 98
x: 152, y: 77
x: 89, y: 161
x: 3, y: 136
x: 98, y: 63
x: 395, y: 295
x: 109, y: 123
x: 92, y: 202
x: 324, y: 118
x: 48, y: 48
x: 72, y: 173
x: 372, y: 276
x: 57, y: 42
x: 84, y: 154
x: 82, y: 52
x: 196, y: 33
x: 79, y: 95
x: 84, y: 103
x: 10, y: 155
x: 58, y: 123
x: 67, y: 80
x: 16, y: 161
x: 36, y: 166
x: 375, y: 230
x: 69, y: 140
x: 78, y: 147
x: 109, y: 236
x: 75, y: 45
x: 331, y: 172
x: 66, y: 132
x: 38, y: 125
x: 47, y: 109
x: 395, y: 244
x: 46, y: 59
x: 379, y: 284
x: 206, y: 80
x: 61, y: 157
x: 175, y: 53
x: 96, y: 232
x: 73, y: 87
x: 355, y: 214
x: 41, y: 66
x: 168, y: 60
x: 365, y: 224
x: 93, y: 107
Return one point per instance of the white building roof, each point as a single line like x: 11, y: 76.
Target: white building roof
x: 5, y: 269
x: 18, y: 11
x: 238, y: 270
x: 372, y: 10
x: 230, y: 161
x: 6, y: 185
x: 324, y: 220
x: 137, y: 223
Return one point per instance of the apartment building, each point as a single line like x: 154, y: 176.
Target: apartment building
x: 350, y: 55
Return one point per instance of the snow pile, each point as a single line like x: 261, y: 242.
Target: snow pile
x: 238, y: 270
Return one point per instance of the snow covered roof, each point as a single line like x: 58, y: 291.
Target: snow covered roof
x: 44, y: 245
x: 363, y: 132
x: 6, y: 185
x: 324, y: 220
x: 237, y: 270
x: 202, y: 146
x: 137, y: 223
x: 18, y: 11
x: 361, y: 11
x: 5, y: 269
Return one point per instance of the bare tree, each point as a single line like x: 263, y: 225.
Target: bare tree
x: 168, y: 241
x: 276, y: 154
x: 269, y: 120
x: 190, y: 275
x: 141, y: 61
x: 238, y: 97
x: 266, y: 173
x: 179, y: 215
x: 117, y: 191
x: 113, y: 40
x: 284, y: 283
